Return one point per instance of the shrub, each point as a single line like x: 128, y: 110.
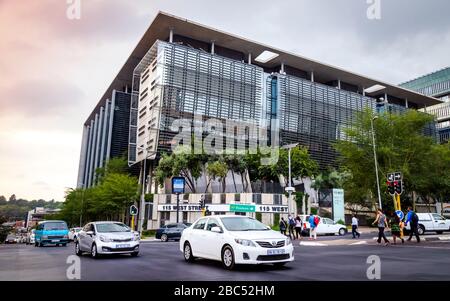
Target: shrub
x: 340, y: 222
x: 146, y: 233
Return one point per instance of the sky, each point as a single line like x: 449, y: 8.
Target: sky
x: 54, y: 69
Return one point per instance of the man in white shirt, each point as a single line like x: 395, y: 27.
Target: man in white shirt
x: 355, y: 227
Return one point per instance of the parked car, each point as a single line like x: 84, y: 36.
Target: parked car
x: 431, y: 222
x: 11, y: 239
x: 171, y: 231
x: 51, y: 233
x: 29, y: 240
x: 99, y: 238
x: 326, y: 226
x: 235, y: 239
x: 73, y: 232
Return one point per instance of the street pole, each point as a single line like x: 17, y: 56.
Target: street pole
x: 376, y: 162
x: 141, y: 211
x: 178, y: 207
x: 290, y: 181
x: 81, y: 209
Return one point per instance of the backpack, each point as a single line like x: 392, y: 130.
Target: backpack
x: 414, y: 218
x: 316, y: 220
x: 291, y: 222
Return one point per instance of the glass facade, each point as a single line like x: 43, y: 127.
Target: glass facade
x: 313, y: 114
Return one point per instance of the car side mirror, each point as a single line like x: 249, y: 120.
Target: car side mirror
x: 216, y: 230
x: 90, y: 233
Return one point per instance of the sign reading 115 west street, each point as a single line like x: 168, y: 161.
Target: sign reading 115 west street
x: 226, y: 208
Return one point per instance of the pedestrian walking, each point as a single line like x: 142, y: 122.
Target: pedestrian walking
x: 313, y: 223
x: 283, y: 226
x: 413, y: 219
x: 355, y: 226
x: 396, y: 226
x: 298, y: 227
x: 291, y: 223
x: 382, y: 223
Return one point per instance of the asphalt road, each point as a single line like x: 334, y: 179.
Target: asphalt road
x: 163, y: 261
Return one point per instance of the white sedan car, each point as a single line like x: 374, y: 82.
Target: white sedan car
x: 99, y: 238
x: 235, y: 239
x: 326, y: 226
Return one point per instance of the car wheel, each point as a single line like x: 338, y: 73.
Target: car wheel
x: 188, y: 256
x: 164, y: 238
x: 134, y: 254
x: 342, y: 231
x: 228, y: 258
x: 78, y: 250
x: 94, y: 253
x: 64, y: 245
x: 279, y: 264
x: 421, y: 230
x: 439, y: 232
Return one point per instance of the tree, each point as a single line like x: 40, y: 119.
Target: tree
x: 216, y: 170
x: 401, y: 146
x: 2, y: 200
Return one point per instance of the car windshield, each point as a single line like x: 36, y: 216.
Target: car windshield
x: 112, y: 227
x: 243, y: 224
x: 55, y: 226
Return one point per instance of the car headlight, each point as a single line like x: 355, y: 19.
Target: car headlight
x: 136, y: 237
x: 104, y: 238
x: 288, y: 241
x: 245, y: 242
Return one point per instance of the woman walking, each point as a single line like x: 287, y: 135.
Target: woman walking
x: 283, y: 226
x: 396, y: 227
x: 298, y: 227
x: 382, y: 223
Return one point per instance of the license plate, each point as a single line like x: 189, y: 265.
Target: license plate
x: 275, y: 252
x: 122, y: 246
x: 55, y: 240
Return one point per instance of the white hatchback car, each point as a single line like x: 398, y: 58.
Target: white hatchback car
x: 235, y: 239
x: 99, y: 238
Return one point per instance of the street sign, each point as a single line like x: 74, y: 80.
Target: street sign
x: 133, y: 210
x: 242, y: 208
x: 398, y: 176
x: 400, y: 214
x: 178, y: 185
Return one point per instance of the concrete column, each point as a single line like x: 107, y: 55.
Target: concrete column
x: 282, y: 68
x: 88, y: 157
x: 250, y: 58
x: 93, y: 151
x: 312, y: 76
x: 111, y: 119
x: 106, y: 114
x: 212, y: 47
x: 364, y: 91
x: 171, y: 35
x: 83, y: 154
x: 99, y: 138
x: 406, y: 103
x: 339, y: 84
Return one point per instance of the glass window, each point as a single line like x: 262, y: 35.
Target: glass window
x: 437, y: 217
x: 200, y: 225
x: 112, y: 227
x: 55, y: 226
x: 243, y: 224
x: 172, y: 226
x: 212, y: 222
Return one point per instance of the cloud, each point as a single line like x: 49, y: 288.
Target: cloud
x: 40, y: 98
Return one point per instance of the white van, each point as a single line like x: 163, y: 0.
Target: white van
x: 431, y: 222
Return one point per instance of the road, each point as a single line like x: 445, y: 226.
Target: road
x: 337, y: 259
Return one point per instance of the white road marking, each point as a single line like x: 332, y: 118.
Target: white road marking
x: 311, y: 243
x: 363, y: 242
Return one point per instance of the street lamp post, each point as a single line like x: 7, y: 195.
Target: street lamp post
x: 289, y: 189
x: 376, y: 161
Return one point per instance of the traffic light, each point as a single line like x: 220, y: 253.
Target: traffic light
x: 391, y: 188
x: 398, y: 187
x: 202, y: 203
